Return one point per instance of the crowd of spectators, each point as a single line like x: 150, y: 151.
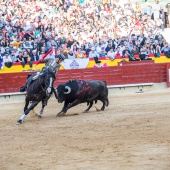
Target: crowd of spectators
x: 80, y: 29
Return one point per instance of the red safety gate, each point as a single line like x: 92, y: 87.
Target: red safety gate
x: 125, y: 73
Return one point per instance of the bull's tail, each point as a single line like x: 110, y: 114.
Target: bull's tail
x: 107, y: 102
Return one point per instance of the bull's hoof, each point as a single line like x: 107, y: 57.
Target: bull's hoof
x: 60, y: 114
x: 19, y: 122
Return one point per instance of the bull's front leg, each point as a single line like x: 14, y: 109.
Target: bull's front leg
x: 68, y: 106
x: 76, y: 102
x: 62, y: 112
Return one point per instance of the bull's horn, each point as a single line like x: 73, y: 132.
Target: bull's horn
x: 68, y: 88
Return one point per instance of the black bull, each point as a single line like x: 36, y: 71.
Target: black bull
x: 75, y: 92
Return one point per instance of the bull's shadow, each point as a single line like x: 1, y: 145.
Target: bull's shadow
x: 75, y: 92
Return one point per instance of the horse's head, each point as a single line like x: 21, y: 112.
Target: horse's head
x: 47, y: 76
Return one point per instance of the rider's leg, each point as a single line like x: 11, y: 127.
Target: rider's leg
x: 29, y: 80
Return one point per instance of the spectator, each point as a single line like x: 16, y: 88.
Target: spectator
x: 130, y: 46
x: 27, y: 45
x: 20, y: 58
x: 41, y: 24
x: 71, y: 55
x: 93, y: 53
x: 126, y: 54
x: 75, y: 50
x: 34, y: 56
x: 17, y: 43
x: 7, y: 60
x: 122, y: 46
x: 144, y: 53
x: 80, y: 54
x: 13, y: 56
x: 99, y: 48
x: 111, y: 54
x: 6, y: 51
x: 103, y: 53
x: 151, y: 49
x: 147, y: 10
x: 135, y: 51
x: 157, y: 51
x: 118, y: 53
x: 109, y: 46
x: 88, y: 49
x: 26, y: 57
x: 166, y: 50
x: 168, y: 11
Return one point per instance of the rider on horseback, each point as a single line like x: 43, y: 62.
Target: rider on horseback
x: 53, y: 66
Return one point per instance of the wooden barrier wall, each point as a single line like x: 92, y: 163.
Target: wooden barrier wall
x: 125, y: 73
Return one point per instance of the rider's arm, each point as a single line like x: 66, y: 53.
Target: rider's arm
x: 45, y: 60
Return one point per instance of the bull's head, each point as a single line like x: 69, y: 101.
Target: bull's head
x: 67, y: 90
x: 62, y: 92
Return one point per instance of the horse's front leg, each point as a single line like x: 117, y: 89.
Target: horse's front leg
x: 42, y: 109
x: 44, y: 103
x: 33, y: 104
x: 26, y: 104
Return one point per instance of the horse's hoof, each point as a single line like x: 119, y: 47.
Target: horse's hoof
x: 19, y: 122
x: 39, y: 116
x: 86, y: 111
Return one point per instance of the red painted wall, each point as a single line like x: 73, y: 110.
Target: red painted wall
x: 125, y: 73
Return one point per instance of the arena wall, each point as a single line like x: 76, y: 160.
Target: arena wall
x: 124, y: 74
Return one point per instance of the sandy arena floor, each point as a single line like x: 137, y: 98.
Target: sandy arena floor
x: 133, y: 133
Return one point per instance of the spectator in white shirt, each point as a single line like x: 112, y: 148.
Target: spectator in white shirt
x: 27, y: 45
x: 122, y: 47
x: 71, y: 55
x: 111, y: 54
x: 7, y: 58
x: 93, y: 53
x: 99, y: 48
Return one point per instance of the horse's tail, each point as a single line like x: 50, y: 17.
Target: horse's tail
x: 23, y: 88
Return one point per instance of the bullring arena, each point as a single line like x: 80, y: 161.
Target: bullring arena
x: 132, y: 133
